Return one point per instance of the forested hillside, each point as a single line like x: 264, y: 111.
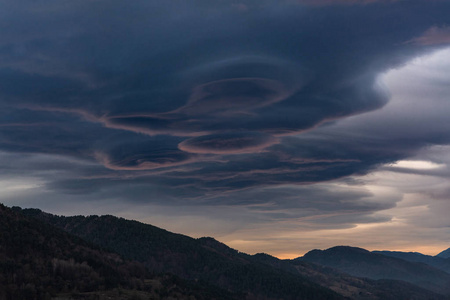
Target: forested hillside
x: 39, y: 261
x: 195, y: 259
x: 207, y: 260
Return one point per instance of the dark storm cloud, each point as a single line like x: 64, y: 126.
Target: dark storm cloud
x: 434, y: 35
x: 139, y: 152
x: 205, y: 97
x: 226, y: 143
x: 327, y: 198
x: 22, y: 130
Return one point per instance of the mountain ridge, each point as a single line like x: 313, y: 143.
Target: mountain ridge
x: 211, y: 261
x: 434, y: 261
x: 203, y: 259
x: 444, y: 254
x: 363, y: 263
x: 39, y: 261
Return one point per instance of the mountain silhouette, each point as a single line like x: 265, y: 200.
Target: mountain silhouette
x: 444, y: 254
x: 205, y: 268
x: 39, y: 261
x: 362, y: 263
x: 204, y: 259
x: 434, y: 261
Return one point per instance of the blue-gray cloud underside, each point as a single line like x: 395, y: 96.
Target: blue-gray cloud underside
x: 203, y: 98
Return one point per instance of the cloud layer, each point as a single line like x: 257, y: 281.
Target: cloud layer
x: 224, y: 103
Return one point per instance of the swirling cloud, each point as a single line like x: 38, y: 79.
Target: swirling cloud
x: 218, y: 85
x: 228, y: 143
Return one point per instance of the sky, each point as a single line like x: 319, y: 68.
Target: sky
x: 272, y: 126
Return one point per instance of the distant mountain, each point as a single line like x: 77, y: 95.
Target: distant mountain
x: 444, y: 254
x: 434, y: 261
x: 39, y: 261
x: 350, y: 286
x: 362, y: 263
x: 258, y: 276
x: 205, y: 259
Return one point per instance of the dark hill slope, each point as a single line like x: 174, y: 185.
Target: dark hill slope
x: 350, y: 286
x: 199, y: 259
x: 40, y: 261
x: 444, y: 254
x: 209, y: 260
x: 362, y: 263
x: 434, y: 261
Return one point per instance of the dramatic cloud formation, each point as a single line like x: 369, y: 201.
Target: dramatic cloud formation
x: 270, y: 114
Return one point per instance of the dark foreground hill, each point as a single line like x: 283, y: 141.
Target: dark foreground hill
x: 362, y: 263
x: 203, y: 259
x: 257, y: 277
x: 39, y: 261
